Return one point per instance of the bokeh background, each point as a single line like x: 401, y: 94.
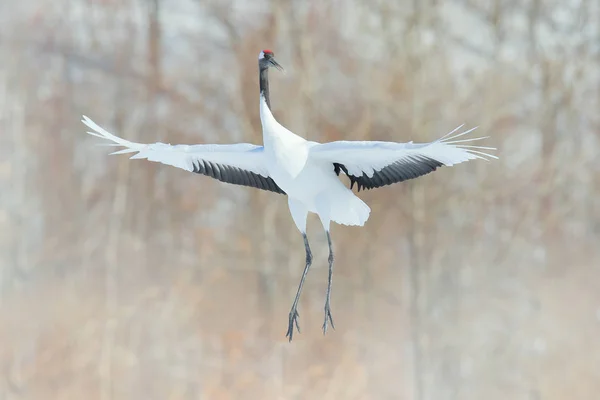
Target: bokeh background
x: 126, y: 279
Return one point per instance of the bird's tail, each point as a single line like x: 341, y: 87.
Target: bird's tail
x: 348, y: 209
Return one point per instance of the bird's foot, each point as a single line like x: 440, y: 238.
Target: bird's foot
x: 328, y: 317
x: 293, y: 321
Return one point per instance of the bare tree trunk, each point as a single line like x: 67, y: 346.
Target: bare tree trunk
x: 414, y: 272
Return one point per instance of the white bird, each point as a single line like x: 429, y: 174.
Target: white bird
x: 306, y: 171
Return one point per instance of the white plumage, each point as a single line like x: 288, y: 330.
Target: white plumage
x: 303, y: 169
x: 306, y: 171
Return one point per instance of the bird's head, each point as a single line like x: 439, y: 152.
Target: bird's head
x: 266, y: 59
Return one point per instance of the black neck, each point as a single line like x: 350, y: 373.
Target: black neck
x: 264, y: 85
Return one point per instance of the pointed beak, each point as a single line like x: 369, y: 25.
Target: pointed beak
x: 276, y: 64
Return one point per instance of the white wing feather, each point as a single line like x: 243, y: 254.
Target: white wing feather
x: 369, y: 156
x: 244, y: 156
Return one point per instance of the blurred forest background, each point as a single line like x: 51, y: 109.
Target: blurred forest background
x: 127, y: 279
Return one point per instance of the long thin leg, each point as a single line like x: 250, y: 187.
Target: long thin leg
x: 293, y: 312
x: 328, y: 295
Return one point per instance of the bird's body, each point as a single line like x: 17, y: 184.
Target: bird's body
x: 310, y: 184
x: 306, y: 171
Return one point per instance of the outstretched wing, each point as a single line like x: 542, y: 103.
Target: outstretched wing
x: 239, y: 164
x: 374, y: 164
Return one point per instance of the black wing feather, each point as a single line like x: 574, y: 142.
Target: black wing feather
x: 399, y: 171
x: 236, y: 176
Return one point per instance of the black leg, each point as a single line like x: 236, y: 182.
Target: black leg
x: 328, y: 295
x: 293, y: 312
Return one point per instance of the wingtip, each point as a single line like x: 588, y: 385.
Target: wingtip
x: 450, y: 133
x: 124, y: 151
x: 481, y: 154
x: 88, y: 122
x: 95, y: 134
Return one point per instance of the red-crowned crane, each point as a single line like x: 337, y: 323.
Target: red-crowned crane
x: 306, y: 171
